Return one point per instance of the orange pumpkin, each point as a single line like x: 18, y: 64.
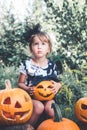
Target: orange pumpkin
x: 81, y: 109
x: 58, y: 123
x: 42, y: 91
x: 15, y: 105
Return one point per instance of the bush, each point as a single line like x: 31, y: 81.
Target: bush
x: 73, y: 87
x: 10, y: 73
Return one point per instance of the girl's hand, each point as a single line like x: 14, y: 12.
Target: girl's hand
x: 30, y: 90
x: 56, y: 87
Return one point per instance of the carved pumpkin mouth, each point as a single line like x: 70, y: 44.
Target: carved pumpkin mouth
x: 20, y: 114
x: 41, y: 94
x: 84, y: 117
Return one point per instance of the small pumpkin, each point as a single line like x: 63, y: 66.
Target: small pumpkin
x: 81, y: 109
x: 15, y: 105
x: 42, y: 91
x: 58, y: 123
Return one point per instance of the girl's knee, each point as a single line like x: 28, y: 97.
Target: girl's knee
x: 38, y: 107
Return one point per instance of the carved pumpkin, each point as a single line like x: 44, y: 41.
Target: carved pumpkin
x: 81, y: 109
x: 58, y: 123
x: 42, y: 91
x: 15, y: 105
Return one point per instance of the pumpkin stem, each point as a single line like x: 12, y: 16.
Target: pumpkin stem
x: 57, y: 112
x: 8, y: 84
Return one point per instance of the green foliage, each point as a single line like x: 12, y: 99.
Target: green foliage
x: 11, y: 41
x: 10, y: 73
x: 73, y: 87
x: 70, y: 27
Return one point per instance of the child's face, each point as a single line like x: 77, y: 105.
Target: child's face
x: 39, y: 48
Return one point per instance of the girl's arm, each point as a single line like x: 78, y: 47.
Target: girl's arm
x: 21, y: 84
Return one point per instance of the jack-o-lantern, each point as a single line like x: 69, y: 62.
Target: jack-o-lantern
x: 81, y: 109
x: 15, y: 105
x: 43, y: 91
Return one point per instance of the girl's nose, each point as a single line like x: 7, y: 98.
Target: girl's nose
x: 39, y: 45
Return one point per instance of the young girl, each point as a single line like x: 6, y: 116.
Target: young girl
x: 39, y: 68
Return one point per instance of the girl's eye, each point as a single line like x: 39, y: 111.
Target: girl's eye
x: 43, y: 43
x: 36, y: 43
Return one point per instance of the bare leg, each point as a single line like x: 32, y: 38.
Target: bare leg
x: 48, y: 108
x: 38, y: 109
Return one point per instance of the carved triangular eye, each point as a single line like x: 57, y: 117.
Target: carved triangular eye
x: 83, y: 106
x: 50, y: 86
x: 17, y: 105
x: 40, y: 86
x: 7, y: 101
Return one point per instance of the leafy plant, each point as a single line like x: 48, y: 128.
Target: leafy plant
x: 10, y: 73
x: 73, y: 88
x: 69, y: 25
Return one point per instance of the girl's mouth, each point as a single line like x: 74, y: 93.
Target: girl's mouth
x: 39, y: 52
